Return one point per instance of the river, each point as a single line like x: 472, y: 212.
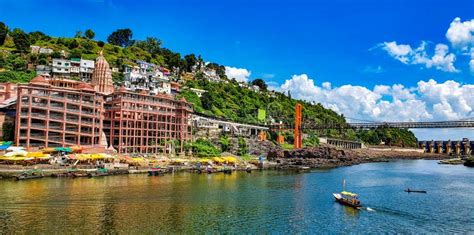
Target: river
x: 267, y: 201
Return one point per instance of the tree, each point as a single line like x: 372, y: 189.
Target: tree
x: 3, y: 33
x: 200, y: 62
x: 242, y: 147
x: 73, y: 44
x: 90, y: 34
x: 56, y: 54
x: 100, y: 43
x: 22, y: 43
x: 220, y: 69
x: 151, y: 45
x: 75, y: 53
x: 78, y: 34
x: 118, y: 78
x: 37, y: 36
x: 190, y: 62
x: 121, y: 37
x: 260, y: 83
x: 225, y: 143
x: 19, y: 64
x: 8, y: 131
x: 88, y: 46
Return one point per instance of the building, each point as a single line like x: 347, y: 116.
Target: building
x: 63, y: 112
x: 7, y: 90
x: 43, y: 70
x: 102, y: 76
x: 41, y: 50
x: 8, y: 94
x: 147, y: 77
x: 53, y: 112
x: 198, y: 92
x: 144, y: 123
x: 58, y: 112
x: 75, y: 67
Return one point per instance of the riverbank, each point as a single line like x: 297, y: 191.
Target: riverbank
x: 323, y: 156
x: 330, y: 157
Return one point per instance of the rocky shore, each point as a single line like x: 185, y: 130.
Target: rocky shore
x: 329, y: 157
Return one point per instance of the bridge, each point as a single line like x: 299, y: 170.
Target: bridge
x: 410, y: 125
x: 374, y: 125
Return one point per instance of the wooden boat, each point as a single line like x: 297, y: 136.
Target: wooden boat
x: 27, y: 177
x: 156, y: 172
x: 348, y: 199
x: 31, y: 174
x: 414, y: 191
x: 100, y: 172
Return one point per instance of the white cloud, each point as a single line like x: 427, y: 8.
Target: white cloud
x: 471, y: 62
x: 428, y: 100
x: 461, y: 34
x: 400, y: 52
x: 442, y: 59
x: 240, y: 74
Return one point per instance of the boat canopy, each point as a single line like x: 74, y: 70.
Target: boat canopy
x: 349, y: 194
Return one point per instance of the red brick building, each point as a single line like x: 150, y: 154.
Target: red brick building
x: 52, y: 113
x: 61, y: 112
x: 143, y: 123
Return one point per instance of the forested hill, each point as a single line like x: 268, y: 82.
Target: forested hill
x: 232, y: 101
x: 226, y: 99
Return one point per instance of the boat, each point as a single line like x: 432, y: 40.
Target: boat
x: 31, y: 174
x: 408, y: 190
x: 100, y: 172
x: 348, y: 199
x: 156, y: 171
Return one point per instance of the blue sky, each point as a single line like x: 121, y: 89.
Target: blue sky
x: 299, y: 45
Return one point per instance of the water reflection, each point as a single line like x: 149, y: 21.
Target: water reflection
x: 269, y: 201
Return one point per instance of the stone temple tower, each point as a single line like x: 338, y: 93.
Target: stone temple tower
x: 102, y: 76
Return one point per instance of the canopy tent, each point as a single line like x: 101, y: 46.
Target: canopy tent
x: 5, y: 145
x: 349, y: 194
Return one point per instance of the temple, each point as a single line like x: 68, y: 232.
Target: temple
x: 102, y: 76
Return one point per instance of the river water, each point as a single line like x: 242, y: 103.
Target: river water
x: 268, y: 201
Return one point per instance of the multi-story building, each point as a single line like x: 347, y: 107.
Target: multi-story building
x: 75, y: 67
x: 58, y: 112
x: 144, y: 123
x: 63, y: 112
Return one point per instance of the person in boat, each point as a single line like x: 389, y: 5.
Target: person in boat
x: 350, y: 197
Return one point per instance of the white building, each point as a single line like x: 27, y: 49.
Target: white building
x: 198, y: 92
x: 74, y: 67
x: 147, y: 76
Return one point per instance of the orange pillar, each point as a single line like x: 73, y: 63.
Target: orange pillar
x: 298, y: 140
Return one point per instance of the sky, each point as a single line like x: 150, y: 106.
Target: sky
x: 391, y: 60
